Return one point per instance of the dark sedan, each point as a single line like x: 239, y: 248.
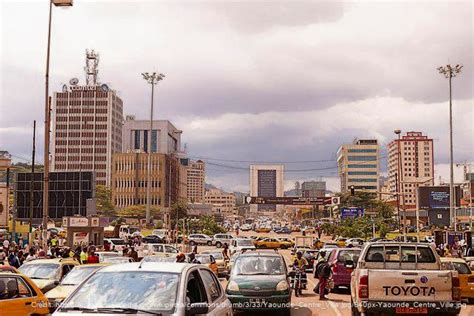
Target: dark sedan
x: 259, y: 281
x: 153, y: 239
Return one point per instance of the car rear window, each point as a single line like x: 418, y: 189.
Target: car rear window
x: 352, y: 255
x: 400, y: 254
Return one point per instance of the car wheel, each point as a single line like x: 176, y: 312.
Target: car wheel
x: 470, y: 300
x: 209, y: 243
x: 218, y: 244
x: 285, y: 312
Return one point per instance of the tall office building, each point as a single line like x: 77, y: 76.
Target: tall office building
x: 313, y: 189
x: 196, y: 172
x: 266, y: 181
x: 417, y: 165
x: 358, y: 165
x: 86, y: 125
x: 165, y: 137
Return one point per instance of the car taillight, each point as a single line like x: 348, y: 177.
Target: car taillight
x: 470, y: 279
x: 364, y: 286
x: 456, y: 289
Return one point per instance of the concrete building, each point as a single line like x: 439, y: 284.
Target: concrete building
x: 266, y: 181
x: 222, y: 202
x: 86, y: 130
x: 165, y: 137
x: 313, y: 189
x: 417, y: 166
x: 359, y: 165
x: 196, y: 176
x: 129, y: 179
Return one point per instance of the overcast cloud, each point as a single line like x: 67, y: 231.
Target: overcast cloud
x: 254, y: 80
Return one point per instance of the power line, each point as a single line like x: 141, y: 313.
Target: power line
x: 259, y: 161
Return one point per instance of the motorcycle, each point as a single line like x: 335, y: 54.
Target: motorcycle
x: 298, y: 280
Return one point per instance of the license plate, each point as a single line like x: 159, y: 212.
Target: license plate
x: 411, y: 310
x: 257, y: 300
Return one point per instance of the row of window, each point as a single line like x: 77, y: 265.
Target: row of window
x: 361, y: 158
x: 361, y: 180
x: 359, y: 150
x: 367, y: 166
x: 362, y: 173
x: 362, y: 187
x: 124, y: 201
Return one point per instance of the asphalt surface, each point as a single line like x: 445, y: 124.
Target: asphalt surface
x: 308, y: 303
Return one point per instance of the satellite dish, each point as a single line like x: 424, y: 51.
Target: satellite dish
x: 73, y: 81
x: 64, y: 88
x: 104, y: 87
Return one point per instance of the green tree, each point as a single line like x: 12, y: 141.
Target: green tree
x: 138, y: 211
x: 104, y: 202
x: 179, y: 210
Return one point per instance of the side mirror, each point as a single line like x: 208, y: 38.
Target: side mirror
x: 197, y: 308
x: 56, y: 282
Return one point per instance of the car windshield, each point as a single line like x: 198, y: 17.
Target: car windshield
x: 118, y: 259
x: 150, y: 291
x: 462, y: 268
x: 351, y: 255
x: 76, y: 276
x: 40, y: 271
x: 244, y: 242
x: 217, y: 255
x: 253, y: 265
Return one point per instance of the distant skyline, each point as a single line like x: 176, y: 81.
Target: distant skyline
x: 291, y: 81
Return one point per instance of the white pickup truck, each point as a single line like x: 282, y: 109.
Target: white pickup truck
x: 403, y: 278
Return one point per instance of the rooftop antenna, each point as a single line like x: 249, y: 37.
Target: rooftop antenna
x: 92, y: 67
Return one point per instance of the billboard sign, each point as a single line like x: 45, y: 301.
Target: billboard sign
x: 352, y: 212
x: 436, y: 197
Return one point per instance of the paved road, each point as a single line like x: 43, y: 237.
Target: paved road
x: 309, y: 304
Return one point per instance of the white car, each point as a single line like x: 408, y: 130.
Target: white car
x: 200, y: 239
x: 117, y: 244
x: 220, y: 239
x: 162, y: 233
x: 354, y: 242
x: 246, y: 227
x: 152, y: 249
x: 239, y: 244
x: 158, y: 288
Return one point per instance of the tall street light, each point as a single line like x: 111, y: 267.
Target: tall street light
x: 399, y: 178
x: 152, y: 79
x: 47, y: 121
x: 450, y: 72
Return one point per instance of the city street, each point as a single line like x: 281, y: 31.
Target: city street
x: 309, y: 304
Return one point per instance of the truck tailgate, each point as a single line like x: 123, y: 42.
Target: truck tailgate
x: 410, y: 285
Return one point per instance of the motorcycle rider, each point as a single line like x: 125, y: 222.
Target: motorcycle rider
x: 300, y: 263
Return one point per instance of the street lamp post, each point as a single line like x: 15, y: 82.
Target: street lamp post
x: 47, y: 121
x: 152, y: 79
x: 450, y: 72
x: 400, y: 184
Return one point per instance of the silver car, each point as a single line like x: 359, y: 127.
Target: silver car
x: 220, y: 239
x: 200, y: 239
x: 149, y: 288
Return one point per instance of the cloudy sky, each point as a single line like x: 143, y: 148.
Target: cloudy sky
x: 263, y: 81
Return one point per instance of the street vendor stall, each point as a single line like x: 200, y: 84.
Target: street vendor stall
x: 83, y: 230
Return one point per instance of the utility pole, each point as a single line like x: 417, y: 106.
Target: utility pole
x: 32, y: 184
x: 152, y: 79
x: 450, y: 72
x: 466, y: 171
x: 400, y: 184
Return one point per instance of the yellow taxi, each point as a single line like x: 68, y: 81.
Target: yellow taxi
x: 466, y: 276
x: 272, y: 243
x: 19, y: 296
x: 47, y: 273
x: 70, y: 283
x: 263, y: 229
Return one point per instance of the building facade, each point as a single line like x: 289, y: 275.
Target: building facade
x: 266, y: 181
x: 358, y: 165
x: 165, y: 137
x: 410, y: 165
x: 129, y: 179
x: 86, y: 130
x: 313, y: 189
x: 196, y: 176
x: 223, y: 202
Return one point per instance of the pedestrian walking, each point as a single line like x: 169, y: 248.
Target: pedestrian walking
x: 323, y: 274
x: 225, y: 251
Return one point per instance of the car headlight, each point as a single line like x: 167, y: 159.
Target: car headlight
x: 233, y: 286
x: 282, y: 286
